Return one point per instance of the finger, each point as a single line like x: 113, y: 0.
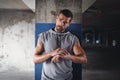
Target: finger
x: 53, y: 59
x: 56, y: 58
x: 63, y: 52
x: 58, y: 49
x: 55, y: 52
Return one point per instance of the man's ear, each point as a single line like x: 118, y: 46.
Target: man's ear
x: 69, y: 22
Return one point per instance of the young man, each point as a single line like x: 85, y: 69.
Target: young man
x: 58, y: 48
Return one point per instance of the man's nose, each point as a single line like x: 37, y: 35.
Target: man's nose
x: 62, y: 23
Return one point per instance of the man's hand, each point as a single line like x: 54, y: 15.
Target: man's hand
x: 55, y: 52
x: 56, y: 58
x: 59, y: 55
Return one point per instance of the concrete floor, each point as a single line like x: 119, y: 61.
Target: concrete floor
x: 100, y: 75
x: 16, y: 75
x: 103, y: 64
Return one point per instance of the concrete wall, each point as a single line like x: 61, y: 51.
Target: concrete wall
x: 16, y: 44
x: 47, y: 9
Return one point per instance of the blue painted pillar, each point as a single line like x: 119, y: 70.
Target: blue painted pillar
x: 45, y: 19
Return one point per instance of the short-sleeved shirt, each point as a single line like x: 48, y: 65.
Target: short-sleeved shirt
x: 52, y: 40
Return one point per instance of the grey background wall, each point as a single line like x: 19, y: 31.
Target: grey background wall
x: 47, y: 9
x: 16, y: 44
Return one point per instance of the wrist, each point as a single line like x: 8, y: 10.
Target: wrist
x: 68, y: 57
x: 50, y: 54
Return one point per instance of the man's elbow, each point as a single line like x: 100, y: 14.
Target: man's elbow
x: 35, y: 61
x: 85, y: 61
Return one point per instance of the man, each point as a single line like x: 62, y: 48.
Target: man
x: 58, y: 48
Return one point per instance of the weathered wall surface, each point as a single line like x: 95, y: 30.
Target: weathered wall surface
x: 16, y: 42
x: 46, y: 10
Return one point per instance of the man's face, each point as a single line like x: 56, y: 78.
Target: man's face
x: 62, y: 22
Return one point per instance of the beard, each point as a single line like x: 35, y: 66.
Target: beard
x: 59, y: 28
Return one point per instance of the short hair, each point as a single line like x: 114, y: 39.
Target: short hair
x: 67, y: 13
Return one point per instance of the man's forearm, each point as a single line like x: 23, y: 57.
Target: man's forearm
x: 41, y: 58
x: 77, y: 59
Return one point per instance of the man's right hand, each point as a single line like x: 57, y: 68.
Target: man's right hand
x: 58, y: 55
x: 58, y: 51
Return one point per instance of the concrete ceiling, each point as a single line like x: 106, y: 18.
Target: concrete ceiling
x: 86, y: 4
x: 30, y: 4
x: 18, y: 4
x: 102, y: 15
x: 97, y: 14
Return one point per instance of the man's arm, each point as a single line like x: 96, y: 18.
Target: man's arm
x: 39, y: 57
x: 78, y: 57
x: 79, y: 54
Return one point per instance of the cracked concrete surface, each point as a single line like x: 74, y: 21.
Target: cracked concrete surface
x: 16, y: 44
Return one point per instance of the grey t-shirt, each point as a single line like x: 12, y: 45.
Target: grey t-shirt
x: 52, y: 40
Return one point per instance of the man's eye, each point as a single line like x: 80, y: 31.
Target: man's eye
x: 60, y: 19
x: 65, y: 22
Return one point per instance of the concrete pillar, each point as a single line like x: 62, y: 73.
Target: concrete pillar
x: 16, y: 44
x: 86, y: 4
x: 46, y: 11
